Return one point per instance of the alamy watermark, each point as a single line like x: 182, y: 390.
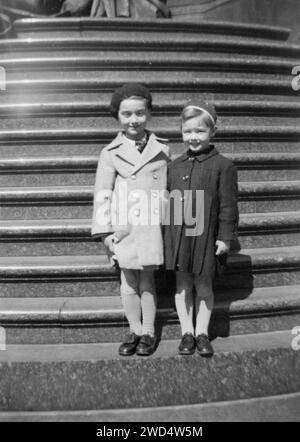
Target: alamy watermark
x: 157, y: 207
x: 2, y: 79
x: 295, y: 344
x: 296, y: 79
x: 2, y: 339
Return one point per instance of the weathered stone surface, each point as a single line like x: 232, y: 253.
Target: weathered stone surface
x: 281, y: 408
x: 87, y: 25
x: 101, y: 319
x: 26, y: 289
x: 93, y: 377
x: 49, y: 122
x: 128, y: 41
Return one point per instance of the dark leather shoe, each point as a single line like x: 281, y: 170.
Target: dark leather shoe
x: 203, y: 345
x: 129, y: 346
x: 146, y: 345
x: 187, y: 344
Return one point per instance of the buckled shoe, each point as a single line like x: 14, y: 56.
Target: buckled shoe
x: 146, y: 345
x: 187, y: 344
x: 128, y: 347
x: 203, y: 345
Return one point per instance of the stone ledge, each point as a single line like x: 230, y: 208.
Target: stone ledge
x: 81, y: 228
x: 93, y: 376
x: 225, y: 133
x: 97, y: 267
x: 86, y: 163
x: 148, y: 43
x: 88, y: 108
x: 105, y: 310
x: 282, y: 408
x: 165, y: 25
x: 58, y: 194
x: 163, y: 84
x: 221, y: 63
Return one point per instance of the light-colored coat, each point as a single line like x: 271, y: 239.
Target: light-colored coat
x: 129, y: 198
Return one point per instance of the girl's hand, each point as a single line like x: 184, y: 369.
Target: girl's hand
x: 119, y: 235
x: 222, y: 247
x: 109, y: 242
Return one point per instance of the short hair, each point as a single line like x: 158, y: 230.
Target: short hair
x: 192, y: 112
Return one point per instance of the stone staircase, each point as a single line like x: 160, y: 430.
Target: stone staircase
x: 59, y: 298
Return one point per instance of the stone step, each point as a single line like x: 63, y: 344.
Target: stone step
x: 85, y: 122
x: 22, y: 195
x: 91, y: 108
x: 69, y: 177
x: 64, y: 67
x: 88, y: 163
x: 145, y: 76
x: 271, y: 275
x: 64, y: 320
x: 156, y: 81
x: 225, y: 133
x: 92, y: 147
x: 161, y: 97
x: 10, y: 48
x: 84, y: 376
x: 258, y: 267
x: 83, y: 209
x: 263, y: 229
x: 88, y: 26
x: 57, y: 246
x: 73, y: 236
x: 280, y: 408
x: 75, y: 202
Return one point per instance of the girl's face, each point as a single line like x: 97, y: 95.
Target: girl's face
x: 196, y: 134
x: 133, y: 116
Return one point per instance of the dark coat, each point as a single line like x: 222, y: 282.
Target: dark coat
x: 216, y: 176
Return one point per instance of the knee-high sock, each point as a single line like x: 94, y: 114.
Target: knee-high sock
x: 148, y: 301
x: 133, y: 311
x: 149, y: 305
x: 204, y: 305
x: 184, y: 301
x: 185, y: 307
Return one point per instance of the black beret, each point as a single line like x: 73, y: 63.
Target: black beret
x: 126, y: 91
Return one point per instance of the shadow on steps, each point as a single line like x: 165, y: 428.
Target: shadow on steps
x: 225, y: 290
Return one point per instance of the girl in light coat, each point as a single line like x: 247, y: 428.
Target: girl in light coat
x: 128, y: 205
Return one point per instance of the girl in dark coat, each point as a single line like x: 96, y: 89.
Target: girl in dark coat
x: 201, y: 221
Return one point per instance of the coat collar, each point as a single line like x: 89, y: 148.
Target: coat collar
x: 130, y: 154
x: 201, y: 156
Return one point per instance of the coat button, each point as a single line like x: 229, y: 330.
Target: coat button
x: 137, y: 212
x: 185, y: 177
x: 182, y: 199
x: 133, y: 177
x: 155, y: 194
x: 155, y: 176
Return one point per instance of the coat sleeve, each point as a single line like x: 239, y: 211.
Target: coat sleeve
x: 228, y: 215
x: 103, y: 192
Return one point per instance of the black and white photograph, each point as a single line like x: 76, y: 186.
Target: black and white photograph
x: 149, y: 215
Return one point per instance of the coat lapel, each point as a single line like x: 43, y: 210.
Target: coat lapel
x: 153, y: 148
x: 128, y: 152
x: 125, y: 150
